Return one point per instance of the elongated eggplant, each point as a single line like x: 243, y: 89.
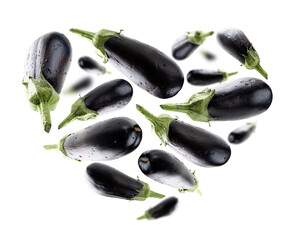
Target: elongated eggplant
x: 188, y: 43
x: 47, y: 64
x: 113, y: 183
x: 92, y: 66
x: 196, y: 144
x: 235, y: 42
x: 109, y: 96
x: 79, y: 86
x: 202, y: 77
x: 146, y: 66
x: 208, y: 55
x: 242, y: 133
x: 164, y: 208
x: 234, y: 100
x: 165, y: 168
x: 106, y: 140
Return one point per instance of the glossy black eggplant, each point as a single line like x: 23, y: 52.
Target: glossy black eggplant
x: 188, y: 43
x: 208, y: 55
x: 146, y: 66
x: 92, y: 66
x: 109, y: 96
x: 106, y: 140
x: 112, y: 183
x: 164, y: 208
x: 79, y: 86
x: 196, y: 144
x: 242, y: 133
x: 165, y: 168
x: 202, y: 77
x: 235, y: 42
x: 47, y: 64
x: 233, y: 100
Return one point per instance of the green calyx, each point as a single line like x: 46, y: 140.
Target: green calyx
x: 58, y: 146
x: 195, y: 107
x: 98, y: 39
x: 42, y: 97
x: 146, y: 216
x: 146, y: 192
x: 226, y: 75
x: 159, y: 124
x: 195, y: 188
x: 79, y: 111
x: 198, y: 37
x: 252, y: 61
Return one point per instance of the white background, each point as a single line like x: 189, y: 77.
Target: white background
x: 46, y: 196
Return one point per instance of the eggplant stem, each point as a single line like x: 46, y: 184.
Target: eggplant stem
x: 176, y: 107
x: 153, y: 194
x: 232, y: 73
x: 259, y: 69
x: 67, y: 120
x: 45, y: 116
x: 152, y: 118
x: 85, y: 34
x: 51, y: 146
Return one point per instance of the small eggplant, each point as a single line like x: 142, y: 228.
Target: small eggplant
x: 208, y: 55
x: 188, y: 43
x: 196, y: 144
x: 234, y: 100
x: 47, y: 64
x: 165, y: 168
x: 241, y: 134
x: 164, y: 208
x: 106, y: 140
x: 109, y: 96
x: 146, y: 66
x: 113, y: 183
x: 202, y: 77
x: 235, y: 42
x: 90, y: 65
x: 79, y: 86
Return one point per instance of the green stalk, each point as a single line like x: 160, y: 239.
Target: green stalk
x: 226, y: 75
x: 198, y: 37
x: 45, y: 116
x: 145, y: 216
x: 146, y: 192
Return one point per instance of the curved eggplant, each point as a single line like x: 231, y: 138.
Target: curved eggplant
x: 164, y: 208
x: 47, y: 64
x: 202, y: 77
x: 188, y: 43
x: 113, y: 183
x: 165, y: 168
x: 108, y: 96
x: 234, y: 100
x: 146, y: 66
x: 79, y: 86
x: 235, y: 42
x: 242, y: 133
x: 196, y: 144
x: 106, y: 140
x: 90, y: 65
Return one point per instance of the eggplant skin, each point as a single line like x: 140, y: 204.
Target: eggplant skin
x: 111, y: 182
x: 52, y: 53
x: 164, y: 208
x: 241, y: 134
x: 202, y: 77
x: 239, y: 99
x: 146, y: 66
x: 106, y: 140
x: 165, y: 168
x: 182, y: 48
x: 113, y: 94
x: 198, y: 145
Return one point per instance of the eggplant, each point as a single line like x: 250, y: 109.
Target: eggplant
x: 90, y: 65
x: 108, y: 96
x: 47, y: 64
x: 165, y: 168
x: 79, y: 86
x: 112, y: 183
x: 164, y: 208
x: 208, y: 55
x: 234, y: 100
x: 196, y: 144
x: 188, y: 43
x: 106, y: 140
x: 235, y: 42
x: 242, y: 133
x: 146, y: 66
x: 202, y: 77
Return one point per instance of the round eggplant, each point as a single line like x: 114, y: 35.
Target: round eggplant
x: 165, y: 168
x: 202, y: 77
x: 47, y: 64
x: 79, y: 86
x: 235, y: 42
x: 196, y: 144
x: 188, y: 43
x: 164, y: 208
x: 109, y: 96
x: 113, y: 183
x: 242, y: 133
x: 106, y: 140
x: 234, y: 100
x: 146, y: 66
x: 90, y: 65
